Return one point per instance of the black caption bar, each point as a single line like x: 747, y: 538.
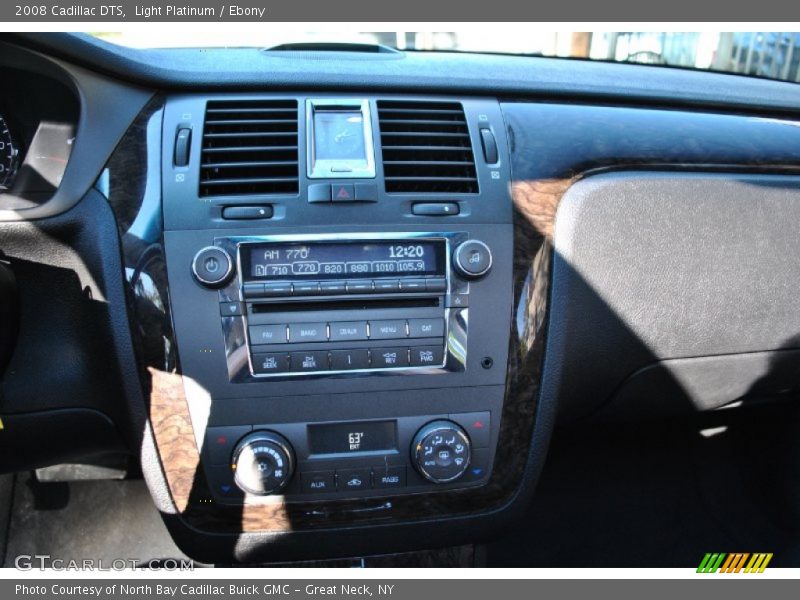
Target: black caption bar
x: 376, y: 11
x: 398, y: 589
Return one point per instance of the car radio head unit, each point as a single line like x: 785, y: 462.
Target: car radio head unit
x: 342, y: 305
x: 334, y: 260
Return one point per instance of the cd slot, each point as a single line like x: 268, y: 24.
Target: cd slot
x: 342, y: 304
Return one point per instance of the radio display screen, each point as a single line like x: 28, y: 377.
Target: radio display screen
x: 344, y: 260
x: 351, y: 438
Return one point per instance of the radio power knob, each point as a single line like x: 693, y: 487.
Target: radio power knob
x: 262, y: 463
x: 441, y: 451
x: 212, y: 267
x: 472, y: 259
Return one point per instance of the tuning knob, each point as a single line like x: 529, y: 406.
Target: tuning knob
x: 472, y: 259
x: 441, y: 451
x: 263, y: 463
x: 212, y: 267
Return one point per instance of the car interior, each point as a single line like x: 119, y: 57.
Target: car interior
x: 330, y: 304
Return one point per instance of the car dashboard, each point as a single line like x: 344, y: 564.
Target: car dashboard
x: 340, y: 320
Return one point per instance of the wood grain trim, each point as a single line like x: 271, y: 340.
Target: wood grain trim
x: 535, y: 204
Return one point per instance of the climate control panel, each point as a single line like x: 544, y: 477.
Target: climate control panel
x: 349, y: 458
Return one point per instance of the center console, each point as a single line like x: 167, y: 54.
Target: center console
x: 340, y: 287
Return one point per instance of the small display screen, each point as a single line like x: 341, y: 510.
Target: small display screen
x: 348, y: 260
x: 350, y: 438
x: 339, y: 135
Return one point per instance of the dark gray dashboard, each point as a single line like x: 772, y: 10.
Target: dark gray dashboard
x: 644, y: 265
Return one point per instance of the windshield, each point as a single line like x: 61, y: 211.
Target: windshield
x: 774, y: 55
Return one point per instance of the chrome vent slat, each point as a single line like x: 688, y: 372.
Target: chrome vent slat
x: 250, y: 147
x: 426, y: 147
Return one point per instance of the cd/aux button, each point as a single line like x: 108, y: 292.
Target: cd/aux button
x: 348, y: 330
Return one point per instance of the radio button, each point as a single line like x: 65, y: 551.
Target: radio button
x: 253, y: 290
x: 412, y: 285
x: 306, y: 288
x: 359, y: 287
x: 276, y: 289
x: 422, y: 328
x: 436, y: 285
x: 387, y: 286
x: 271, y: 362
x: 387, y: 330
x: 348, y: 330
x: 268, y: 334
x: 426, y: 356
x: 315, y: 360
x: 346, y: 360
x: 383, y: 358
x: 352, y: 480
x: 308, y: 332
x: 389, y: 477
x: 332, y: 287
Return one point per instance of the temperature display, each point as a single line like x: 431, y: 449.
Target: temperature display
x: 349, y: 438
x: 349, y: 260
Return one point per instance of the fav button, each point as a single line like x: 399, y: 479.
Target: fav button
x: 268, y: 334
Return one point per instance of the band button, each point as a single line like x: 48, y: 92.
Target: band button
x: 308, y: 332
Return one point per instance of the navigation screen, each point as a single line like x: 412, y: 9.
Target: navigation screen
x: 339, y: 135
x: 347, y: 260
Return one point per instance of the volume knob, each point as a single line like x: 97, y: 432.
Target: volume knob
x: 472, y: 259
x: 263, y: 463
x: 441, y: 451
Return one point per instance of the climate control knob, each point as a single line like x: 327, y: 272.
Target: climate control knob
x: 472, y: 259
x: 441, y: 451
x: 212, y: 267
x: 262, y: 463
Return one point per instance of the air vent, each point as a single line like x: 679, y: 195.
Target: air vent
x: 249, y: 147
x: 426, y: 147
